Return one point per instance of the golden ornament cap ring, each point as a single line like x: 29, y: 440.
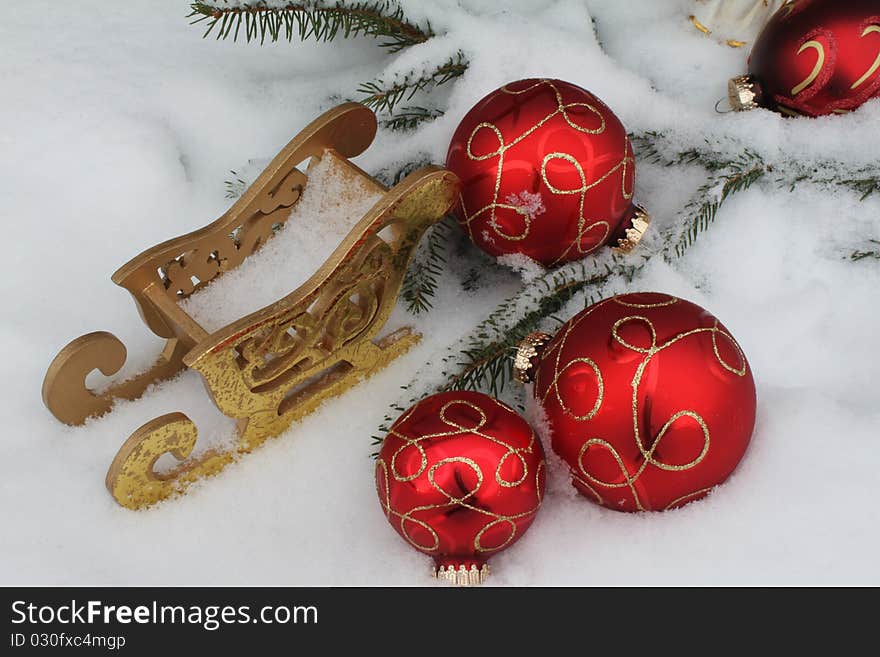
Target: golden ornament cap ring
x: 462, y: 576
x: 743, y: 92
x: 528, y: 355
x: 639, y: 224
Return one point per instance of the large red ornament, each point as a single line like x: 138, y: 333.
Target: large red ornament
x: 547, y: 171
x: 460, y: 477
x: 648, y: 398
x: 814, y: 57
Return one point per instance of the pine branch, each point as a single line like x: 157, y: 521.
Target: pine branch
x: 411, y: 117
x: 382, y: 97
x: 471, y: 280
x: 423, y: 274
x: 421, y: 280
x: 728, y: 176
x: 872, y: 253
x: 485, y: 359
x: 311, y: 19
x: 385, y: 427
x: 235, y: 187
x: 648, y: 148
x: 322, y: 21
x: 390, y: 176
x: 864, y: 182
x: 863, y: 186
x: 705, y: 210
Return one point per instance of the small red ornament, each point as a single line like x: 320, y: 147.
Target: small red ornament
x: 814, y: 57
x: 460, y: 477
x: 648, y: 398
x: 547, y: 171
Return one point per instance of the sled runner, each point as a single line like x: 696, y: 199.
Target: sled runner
x: 276, y: 365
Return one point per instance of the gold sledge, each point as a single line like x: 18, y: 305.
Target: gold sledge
x: 278, y: 364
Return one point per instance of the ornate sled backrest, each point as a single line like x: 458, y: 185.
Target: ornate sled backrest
x: 189, y: 262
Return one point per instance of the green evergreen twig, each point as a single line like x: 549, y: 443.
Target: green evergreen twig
x: 483, y: 360
x: 726, y: 177
x: 324, y: 20
x: 235, y: 187
x: 311, y: 19
x: 390, y: 176
x: 409, y: 118
x: 384, y: 97
x: 425, y: 270
x: 872, y: 253
x: 704, y: 207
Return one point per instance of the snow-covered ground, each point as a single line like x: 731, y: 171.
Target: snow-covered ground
x: 119, y: 126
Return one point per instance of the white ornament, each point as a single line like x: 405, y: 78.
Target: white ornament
x: 734, y: 22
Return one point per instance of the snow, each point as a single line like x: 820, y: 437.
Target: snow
x: 119, y: 131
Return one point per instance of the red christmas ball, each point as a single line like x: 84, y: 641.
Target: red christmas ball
x: 814, y: 57
x: 648, y: 398
x: 460, y: 477
x: 547, y: 171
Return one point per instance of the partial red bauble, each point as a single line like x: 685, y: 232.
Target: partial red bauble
x: 460, y: 476
x: 818, y: 57
x: 649, y: 399
x: 547, y: 171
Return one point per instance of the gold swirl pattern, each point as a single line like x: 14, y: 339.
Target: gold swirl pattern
x: 589, y: 481
x: 559, y: 369
x: 408, y: 519
x: 820, y: 62
x: 688, y: 497
x: 585, y: 225
x: 668, y: 301
x: 871, y: 29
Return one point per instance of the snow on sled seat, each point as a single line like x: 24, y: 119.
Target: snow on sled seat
x: 276, y: 365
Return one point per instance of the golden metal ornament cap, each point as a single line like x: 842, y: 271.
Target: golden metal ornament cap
x: 639, y: 224
x: 743, y: 92
x: 462, y: 575
x: 528, y: 354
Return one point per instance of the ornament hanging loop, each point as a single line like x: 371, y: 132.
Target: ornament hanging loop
x: 727, y: 111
